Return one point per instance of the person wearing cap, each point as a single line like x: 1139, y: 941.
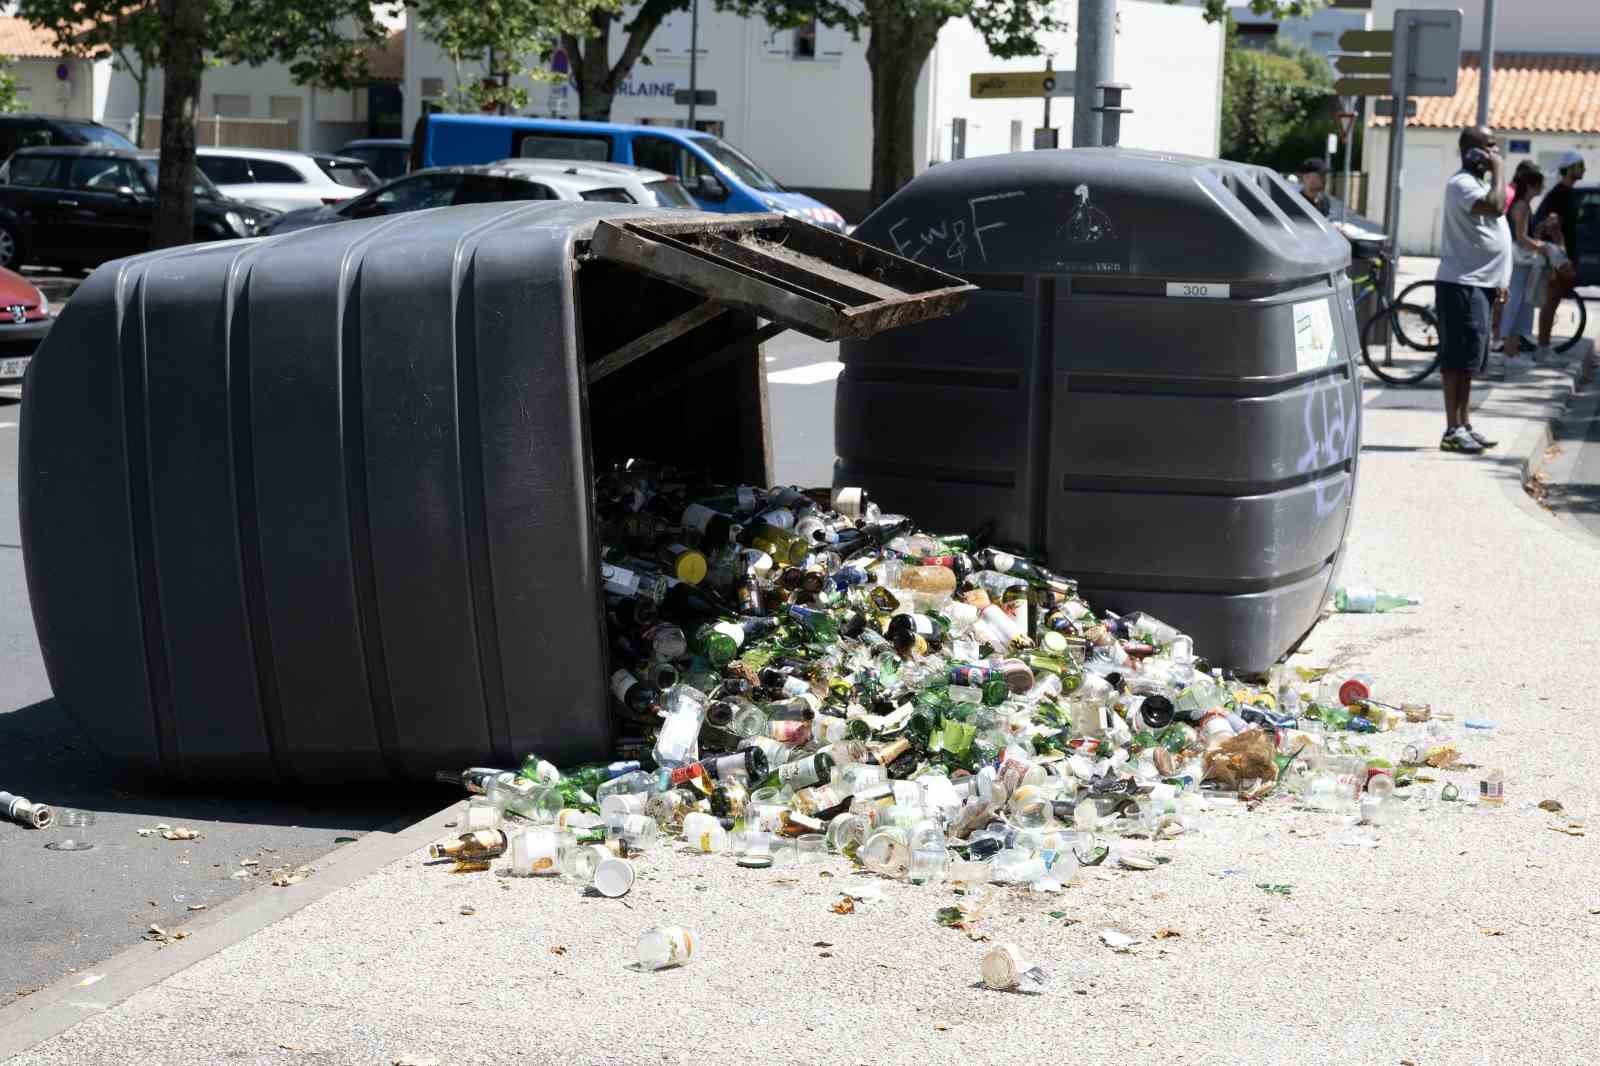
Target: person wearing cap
x: 1562, y: 203
x: 1474, y: 271
x: 1313, y: 175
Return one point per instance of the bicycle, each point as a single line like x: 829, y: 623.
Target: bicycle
x: 1400, y: 342
x: 1572, y: 314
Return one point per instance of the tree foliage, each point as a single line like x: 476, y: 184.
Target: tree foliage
x: 1277, y: 104
x: 589, y: 52
x: 504, y: 40
x: 8, y: 85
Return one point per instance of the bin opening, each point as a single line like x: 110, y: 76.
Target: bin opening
x: 674, y: 312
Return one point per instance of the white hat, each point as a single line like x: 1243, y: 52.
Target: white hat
x: 1570, y: 158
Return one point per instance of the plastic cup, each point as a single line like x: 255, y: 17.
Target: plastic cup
x: 76, y: 827
x: 613, y: 877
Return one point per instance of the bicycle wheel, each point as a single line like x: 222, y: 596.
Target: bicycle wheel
x: 1418, y: 294
x: 1572, y: 316
x: 1405, y: 363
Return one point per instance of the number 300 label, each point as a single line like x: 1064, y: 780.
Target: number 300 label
x: 1198, y: 290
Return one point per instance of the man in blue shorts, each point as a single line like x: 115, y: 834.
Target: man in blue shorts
x: 1473, y: 274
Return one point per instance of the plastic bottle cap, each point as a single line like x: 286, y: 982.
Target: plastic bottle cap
x: 1354, y: 691
x: 690, y: 567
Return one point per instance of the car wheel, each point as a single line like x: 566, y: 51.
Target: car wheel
x: 10, y: 246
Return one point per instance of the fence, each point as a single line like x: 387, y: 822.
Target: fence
x: 221, y: 131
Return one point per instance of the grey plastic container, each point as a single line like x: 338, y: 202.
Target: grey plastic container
x: 1155, y: 387
x: 317, y: 508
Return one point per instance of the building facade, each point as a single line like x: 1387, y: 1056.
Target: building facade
x: 798, y: 100
x: 49, y: 83
x: 1544, y: 101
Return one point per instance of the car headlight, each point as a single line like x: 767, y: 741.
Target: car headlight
x: 237, y: 223
x: 44, y: 303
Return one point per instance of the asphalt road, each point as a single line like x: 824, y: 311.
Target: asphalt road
x: 63, y: 911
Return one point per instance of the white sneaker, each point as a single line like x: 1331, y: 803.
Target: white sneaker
x: 1459, y: 440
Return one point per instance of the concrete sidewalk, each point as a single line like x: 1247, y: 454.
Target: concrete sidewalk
x: 1458, y: 934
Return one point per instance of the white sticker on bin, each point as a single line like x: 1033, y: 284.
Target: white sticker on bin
x: 1313, y: 335
x: 1198, y: 290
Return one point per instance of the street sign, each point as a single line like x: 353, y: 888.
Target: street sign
x: 1043, y: 139
x: 1352, y: 5
x: 1349, y: 64
x: 1367, y: 40
x: 1385, y: 108
x: 1362, y: 86
x: 1431, y: 41
x: 1347, y: 122
x: 1022, y: 84
x: 700, y: 97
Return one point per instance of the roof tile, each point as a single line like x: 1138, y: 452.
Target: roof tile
x: 20, y: 38
x: 1537, y: 92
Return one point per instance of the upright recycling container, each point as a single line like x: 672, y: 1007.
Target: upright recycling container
x: 1155, y: 387
x: 317, y: 508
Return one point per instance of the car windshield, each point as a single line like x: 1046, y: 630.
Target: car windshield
x: 738, y: 164
x: 202, y: 184
x: 103, y: 135
x: 669, y: 193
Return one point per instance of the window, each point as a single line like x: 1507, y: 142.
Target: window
x: 411, y: 194
x: 89, y: 133
x: 670, y: 193
x: 94, y: 174
x: 608, y: 196
x: 740, y: 165
x: 669, y: 157
x: 231, y: 105
x: 1589, y: 209
x: 1016, y: 135
x: 805, y: 40
x: 225, y: 169
x: 266, y: 170
x: 202, y: 184
x: 482, y: 189
x: 589, y: 148
x: 35, y: 170
x: 347, y: 172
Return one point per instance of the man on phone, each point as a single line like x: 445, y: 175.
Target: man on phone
x: 1473, y: 274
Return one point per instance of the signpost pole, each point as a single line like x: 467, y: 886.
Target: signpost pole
x: 694, y: 56
x: 1485, y: 62
x: 1097, y: 39
x: 1050, y: 70
x: 1399, y: 83
x: 1349, y: 143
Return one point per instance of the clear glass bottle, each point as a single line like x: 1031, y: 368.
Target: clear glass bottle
x: 662, y: 946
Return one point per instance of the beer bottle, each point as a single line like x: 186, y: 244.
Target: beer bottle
x: 471, y: 847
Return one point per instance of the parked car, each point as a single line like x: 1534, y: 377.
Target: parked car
x: 285, y: 181
x: 78, y: 207
x: 1588, y: 263
x: 509, y: 179
x: 387, y: 157
x: 24, y: 320
x: 718, y: 175
x: 47, y: 131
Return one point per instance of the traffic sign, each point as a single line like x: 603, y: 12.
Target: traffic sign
x: 1432, y: 41
x: 1362, y: 86
x: 1022, y: 84
x: 1367, y: 40
x: 1385, y: 108
x: 1357, y: 5
x: 701, y: 97
x: 1347, y: 122
x: 1348, y: 64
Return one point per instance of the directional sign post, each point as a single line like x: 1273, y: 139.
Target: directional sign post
x: 1021, y: 84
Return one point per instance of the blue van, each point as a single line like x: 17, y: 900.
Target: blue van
x: 718, y: 175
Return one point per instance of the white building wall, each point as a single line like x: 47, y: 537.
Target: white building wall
x: 808, y: 120
x: 1170, y: 56
x: 40, y: 88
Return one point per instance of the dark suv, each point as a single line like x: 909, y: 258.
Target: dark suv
x: 49, y: 131
x: 79, y: 207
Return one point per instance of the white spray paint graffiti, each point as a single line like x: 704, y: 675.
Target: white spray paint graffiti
x: 955, y: 237
x: 1088, y: 224
x: 1330, y: 440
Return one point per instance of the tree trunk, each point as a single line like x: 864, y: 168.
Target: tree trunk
x: 591, y: 68
x: 143, y: 81
x: 183, y: 37
x: 896, y: 51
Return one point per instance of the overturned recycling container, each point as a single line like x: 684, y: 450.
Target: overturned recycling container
x: 1155, y: 388
x: 318, y: 508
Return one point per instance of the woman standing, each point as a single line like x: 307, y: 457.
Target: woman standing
x: 1527, y: 261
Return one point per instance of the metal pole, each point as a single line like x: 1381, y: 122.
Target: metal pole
x: 1344, y: 202
x: 1049, y: 68
x: 1485, y: 62
x: 694, y: 57
x: 1111, y: 112
x: 1399, y: 82
x: 1097, y: 39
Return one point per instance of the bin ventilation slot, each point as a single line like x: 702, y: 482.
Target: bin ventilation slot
x: 778, y: 268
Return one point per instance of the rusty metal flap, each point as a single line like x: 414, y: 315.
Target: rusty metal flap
x: 810, y: 279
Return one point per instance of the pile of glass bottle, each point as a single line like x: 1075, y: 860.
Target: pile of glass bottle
x: 797, y: 676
